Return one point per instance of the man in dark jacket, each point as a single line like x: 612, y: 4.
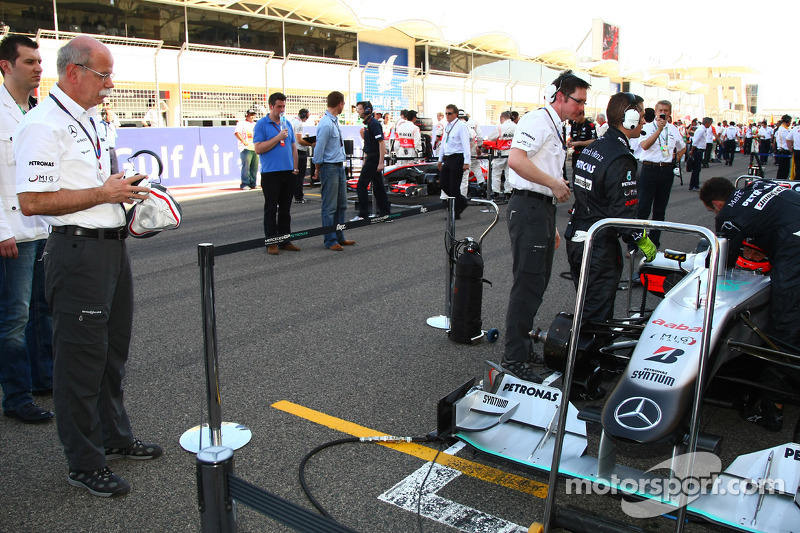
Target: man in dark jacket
x: 769, y: 215
x: 605, y: 187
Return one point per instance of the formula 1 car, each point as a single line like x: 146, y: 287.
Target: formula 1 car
x: 685, y: 353
x: 412, y: 179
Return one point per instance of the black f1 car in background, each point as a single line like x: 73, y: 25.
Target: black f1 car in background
x: 670, y: 362
x: 413, y: 179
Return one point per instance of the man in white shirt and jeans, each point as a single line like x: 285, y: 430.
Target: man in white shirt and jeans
x: 247, y: 152
x: 25, y: 363
x: 536, y: 161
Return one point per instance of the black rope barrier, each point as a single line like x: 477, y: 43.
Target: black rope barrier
x: 287, y: 513
x: 253, y: 244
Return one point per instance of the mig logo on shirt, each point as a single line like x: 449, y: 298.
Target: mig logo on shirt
x: 666, y: 355
x: 41, y: 179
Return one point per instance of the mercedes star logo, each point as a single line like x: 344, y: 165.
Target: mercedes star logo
x: 73, y: 130
x: 638, y: 414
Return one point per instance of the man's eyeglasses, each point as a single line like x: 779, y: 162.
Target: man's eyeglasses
x: 579, y: 102
x: 449, y: 113
x: 106, y: 77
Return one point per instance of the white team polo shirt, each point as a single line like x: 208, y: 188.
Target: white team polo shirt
x: 53, y: 152
x: 539, y: 136
x: 668, y: 141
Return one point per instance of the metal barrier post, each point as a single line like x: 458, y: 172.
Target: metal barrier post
x: 216, y: 506
x: 443, y: 321
x: 234, y: 435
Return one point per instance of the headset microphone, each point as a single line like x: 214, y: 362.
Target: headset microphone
x: 632, y: 116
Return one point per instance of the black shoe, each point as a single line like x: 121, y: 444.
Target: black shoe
x: 765, y: 414
x: 138, y: 451
x: 300, y: 200
x: 102, y: 482
x: 521, y: 370
x: 30, y: 413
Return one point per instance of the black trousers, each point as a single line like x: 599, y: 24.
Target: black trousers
x: 605, y: 271
x: 89, y: 287
x: 302, y: 165
x: 277, y: 188
x: 764, y: 148
x: 697, y: 155
x: 655, y: 187
x: 784, y: 159
x: 450, y: 179
x: 730, y: 149
x: 370, y: 176
x: 532, y: 229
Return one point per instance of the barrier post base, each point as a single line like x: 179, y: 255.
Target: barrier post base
x: 439, y: 322
x: 217, y: 508
x: 234, y: 436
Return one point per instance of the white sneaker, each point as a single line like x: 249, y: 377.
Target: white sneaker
x: 356, y: 219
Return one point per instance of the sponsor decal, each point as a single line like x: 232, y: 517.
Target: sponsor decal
x: 423, y: 209
x: 629, y: 177
x: 41, y: 164
x: 632, y: 202
x: 591, y: 152
x: 679, y: 327
x: 587, y: 167
x: 495, y: 401
x: 583, y: 183
x: 545, y: 394
x: 728, y: 225
x: 629, y: 183
x: 42, y: 179
x: 656, y: 376
x: 340, y: 227
x: 666, y: 355
x: 794, y: 453
x: 72, y: 130
x: 731, y: 285
x: 677, y: 339
x: 762, y: 203
x: 638, y: 414
x: 526, y: 134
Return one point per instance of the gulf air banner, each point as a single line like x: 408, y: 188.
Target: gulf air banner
x: 385, y: 85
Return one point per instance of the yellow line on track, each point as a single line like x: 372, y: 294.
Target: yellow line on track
x: 470, y: 468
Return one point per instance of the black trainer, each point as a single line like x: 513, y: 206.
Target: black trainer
x: 766, y: 414
x: 522, y: 370
x: 102, y: 482
x: 139, y: 451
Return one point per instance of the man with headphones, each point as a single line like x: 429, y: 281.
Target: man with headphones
x: 660, y: 140
x: 604, y: 185
x: 535, y: 160
x: 372, y: 166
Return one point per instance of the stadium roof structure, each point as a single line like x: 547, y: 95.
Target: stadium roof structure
x: 446, y: 26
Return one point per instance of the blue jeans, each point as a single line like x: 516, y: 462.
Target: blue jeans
x: 249, y: 168
x: 39, y: 331
x: 334, y: 199
x: 16, y: 289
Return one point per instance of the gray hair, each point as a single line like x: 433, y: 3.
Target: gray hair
x: 506, y: 115
x: 72, y: 54
x: 601, y: 116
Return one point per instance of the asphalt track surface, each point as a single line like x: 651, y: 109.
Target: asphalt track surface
x: 342, y: 334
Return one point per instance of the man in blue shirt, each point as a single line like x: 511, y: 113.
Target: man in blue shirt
x: 274, y: 142
x: 329, y: 160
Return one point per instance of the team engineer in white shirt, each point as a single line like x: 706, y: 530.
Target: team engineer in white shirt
x: 536, y: 161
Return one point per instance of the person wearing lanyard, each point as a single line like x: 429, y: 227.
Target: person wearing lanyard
x: 276, y: 146
x: 26, y: 359
x: 661, y: 140
x: 372, y: 168
x: 63, y: 176
x: 454, y: 157
x: 536, y: 160
x: 329, y: 160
